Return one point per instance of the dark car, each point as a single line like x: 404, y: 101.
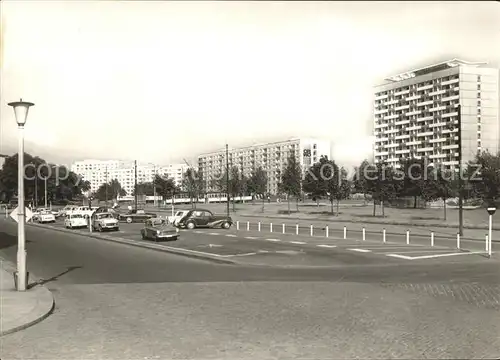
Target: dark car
x: 136, y: 216
x: 201, y: 218
x: 158, y: 229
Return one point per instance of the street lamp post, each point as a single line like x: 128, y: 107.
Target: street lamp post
x: 45, y: 195
x: 227, y: 178
x: 21, y: 109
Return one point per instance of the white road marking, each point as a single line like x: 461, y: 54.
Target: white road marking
x: 400, y: 256
x: 433, y: 256
x: 327, y: 246
x: 360, y: 250
x: 250, y: 237
x: 276, y: 240
x: 214, y: 245
x: 247, y: 254
x: 420, y: 251
x: 230, y: 235
x: 213, y: 234
x: 297, y: 242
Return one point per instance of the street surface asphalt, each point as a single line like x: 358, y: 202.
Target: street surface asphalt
x: 115, y: 301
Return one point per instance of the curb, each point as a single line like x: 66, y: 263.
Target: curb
x: 45, y: 307
x: 368, y: 221
x: 153, y: 246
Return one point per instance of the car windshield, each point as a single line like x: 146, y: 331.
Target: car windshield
x: 77, y: 216
x: 158, y: 222
x: 105, y: 216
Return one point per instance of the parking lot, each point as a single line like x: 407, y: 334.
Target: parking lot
x: 280, y: 245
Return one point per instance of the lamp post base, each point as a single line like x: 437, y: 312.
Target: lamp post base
x: 16, y: 275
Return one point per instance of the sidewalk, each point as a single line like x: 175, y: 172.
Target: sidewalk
x: 19, y: 310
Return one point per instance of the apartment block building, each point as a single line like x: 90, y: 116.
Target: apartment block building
x: 98, y: 172
x: 272, y: 157
x: 416, y: 113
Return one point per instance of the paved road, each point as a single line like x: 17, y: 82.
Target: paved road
x: 116, y: 301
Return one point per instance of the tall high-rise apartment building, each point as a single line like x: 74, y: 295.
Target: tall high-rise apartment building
x: 272, y: 157
x: 98, y: 172
x: 416, y: 113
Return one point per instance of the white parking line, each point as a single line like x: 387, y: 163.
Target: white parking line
x: 213, y: 234
x: 360, y: 250
x: 327, y: 246
x: 433, y: 256
x: 297, y: 242
x: 420, y: 251
x: 247, y: 254
x: 276, y: 240
x: 251, y: 237
x: 230, y: 235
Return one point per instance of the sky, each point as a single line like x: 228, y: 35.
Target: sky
x: 163, y: 81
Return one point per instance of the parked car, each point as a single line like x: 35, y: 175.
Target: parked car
x: 104, y: 221
x: 174, y: 220
x: 158, y: 229
x: 201, y: 218
x: 45, y: 217
x: 66, y: 210
x: 136, y: 216
x: 85, y: 211
x: 73, y: 221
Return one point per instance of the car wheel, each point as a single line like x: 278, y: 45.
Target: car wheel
x: 226, y: 225
x: 190, y: 225
x: 129, y: 220
x: 100, y: 228
x: 175, y: 238
x: 70, y: 226
x: 143, y: 235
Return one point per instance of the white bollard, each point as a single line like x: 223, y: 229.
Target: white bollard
x: 283, y: 228
x: 326, y: 231
x: 364, y: 234
x: 248, y: 225
x: 432, y: 238
x: 237, y: 225
x: 270, y: 227
x: 486, y: 242
x: 297, y: 229
x: 90, y: 225
x: 458, y: 240
x: 383, y: 235
x: 312, y: 231
x: 407, y: 237
x: 258, y: 226
x: 345, y: 232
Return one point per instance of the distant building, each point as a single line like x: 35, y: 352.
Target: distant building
x: 272, y: 157
x: 413, y: 113
x: 98, y: 172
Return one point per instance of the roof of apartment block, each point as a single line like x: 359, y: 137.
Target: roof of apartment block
x: 433, y: 68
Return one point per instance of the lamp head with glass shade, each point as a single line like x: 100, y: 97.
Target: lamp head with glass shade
x: 21, y: 109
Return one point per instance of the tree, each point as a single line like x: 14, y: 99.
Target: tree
x: 344, y: 188
x: 359, y: 180
x: 257, y: 184
x: 109, y: 191
x: 313, y: 183
x: 192, y: 184
x: 144, y: 188
x: 236, y: 186
x: 415, y: 173
x: 443, y: 185
x: 381, y: 183
x: 62, y: 184
x: 165, y: 187
x: 291, y: 181
x: 486, y: 181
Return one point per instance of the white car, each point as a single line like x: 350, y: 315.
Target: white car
x: 75, y: 221
x: 177, y: 217
x: 45, y: 217
x: 104, y: 221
